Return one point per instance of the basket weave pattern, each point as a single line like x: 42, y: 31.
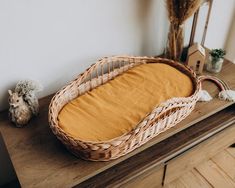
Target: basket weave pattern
x: 163, y: 116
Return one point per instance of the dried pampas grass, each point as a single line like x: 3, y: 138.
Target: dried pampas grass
x: 178, y: 12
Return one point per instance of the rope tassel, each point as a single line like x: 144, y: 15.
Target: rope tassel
x: 225, y: 94
x: 204, y: 96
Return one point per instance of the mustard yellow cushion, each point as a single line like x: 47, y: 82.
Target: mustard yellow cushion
x: 119, y: 105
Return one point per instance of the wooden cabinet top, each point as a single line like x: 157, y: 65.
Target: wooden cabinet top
x: 40, y: 159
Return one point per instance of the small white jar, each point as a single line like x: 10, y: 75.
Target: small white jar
x: 214, y: 66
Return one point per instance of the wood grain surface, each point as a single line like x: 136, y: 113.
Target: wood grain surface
x: 40, y: 160
x: 185, y: 162
x: 218, y: 171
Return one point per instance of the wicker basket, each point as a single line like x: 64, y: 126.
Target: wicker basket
x: 163, y: 117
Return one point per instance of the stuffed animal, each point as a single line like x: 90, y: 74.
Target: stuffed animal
x: 23, y: 102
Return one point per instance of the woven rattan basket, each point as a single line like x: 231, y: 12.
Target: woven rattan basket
x: 163, y: 117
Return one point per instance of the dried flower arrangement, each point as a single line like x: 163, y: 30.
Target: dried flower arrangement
x: 178, y: 12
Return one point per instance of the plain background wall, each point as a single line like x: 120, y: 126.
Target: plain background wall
x: 54, y: 40
x: 230, y: 47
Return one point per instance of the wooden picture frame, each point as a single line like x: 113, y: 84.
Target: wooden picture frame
x: 194, y: 25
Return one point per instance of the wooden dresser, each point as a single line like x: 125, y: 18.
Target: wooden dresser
x: 40, y: 160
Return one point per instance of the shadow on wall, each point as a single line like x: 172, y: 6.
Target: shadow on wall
x: 230, y: 42
x: 4, y: 96
x: 153, y: 17
x: 143, y: 14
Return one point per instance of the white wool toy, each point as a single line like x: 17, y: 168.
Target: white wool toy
x: 228, y: 95
x: 204, y: 96
x: 225, y: 94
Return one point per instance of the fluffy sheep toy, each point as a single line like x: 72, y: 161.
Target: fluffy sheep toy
x: 23, y: 102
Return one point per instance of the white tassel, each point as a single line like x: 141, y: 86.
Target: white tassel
x: 204, y: 96
x: 228, y: 95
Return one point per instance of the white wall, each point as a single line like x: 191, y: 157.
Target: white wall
x: 230, y: 47
x: 219, y: 25
x: 53, y: 40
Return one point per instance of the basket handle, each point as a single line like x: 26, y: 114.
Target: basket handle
x: 220, y: 83
x: 225, y: 91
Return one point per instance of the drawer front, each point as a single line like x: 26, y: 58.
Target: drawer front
x: 151, y: 177
x: 201, y: 152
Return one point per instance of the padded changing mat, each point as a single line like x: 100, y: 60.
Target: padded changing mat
x: 116, y: 107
